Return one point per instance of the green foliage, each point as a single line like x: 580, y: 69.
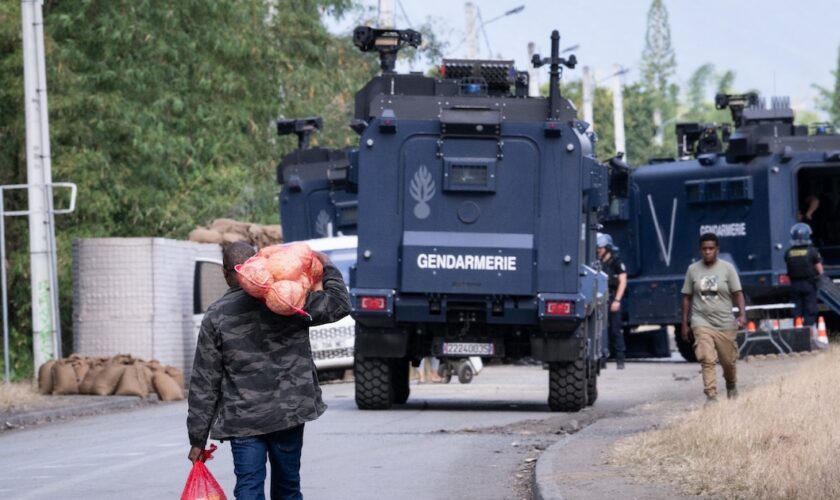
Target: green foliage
x: 829, y: 100
x: 162, y: 113
x: 658, y: 59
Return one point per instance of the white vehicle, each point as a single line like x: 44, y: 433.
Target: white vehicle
x: 332, y: 344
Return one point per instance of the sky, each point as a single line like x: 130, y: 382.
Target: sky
x: 779, y: 47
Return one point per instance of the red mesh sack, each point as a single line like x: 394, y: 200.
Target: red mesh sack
x: 281, y: 276
x: 286, y: 298
x: 254, y: 276
x: 285, y: 266
x: 201, y: 485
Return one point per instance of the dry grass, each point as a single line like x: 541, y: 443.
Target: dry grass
x: 780, y: 440
x: 19, y: 396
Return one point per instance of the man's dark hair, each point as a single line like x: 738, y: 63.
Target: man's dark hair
x: 709, y: 237
x: 236, y: 253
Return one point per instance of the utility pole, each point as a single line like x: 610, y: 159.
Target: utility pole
x: 533, y: 74
x: 387, y: 13
x: 472, y: 34
x: 618, y: 110
x: 46, y: 333
x: 588, y: 84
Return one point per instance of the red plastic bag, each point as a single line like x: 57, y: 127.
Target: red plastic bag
x: 201, y: 485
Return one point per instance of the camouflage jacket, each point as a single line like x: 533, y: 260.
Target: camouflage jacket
x: 253, y: 371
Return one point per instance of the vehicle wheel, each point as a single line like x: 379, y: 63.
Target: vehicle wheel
x: 445, y: 372
x: 465, y: 373
x: 686, y: 348
x: 373, y: 383
x: 399, y: 379
x: 592, y: 383
x: 567, y: 384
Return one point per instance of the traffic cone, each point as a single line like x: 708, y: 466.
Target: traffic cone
x: 797, y: 322
x: 751, y: 327
x: 822, y: 335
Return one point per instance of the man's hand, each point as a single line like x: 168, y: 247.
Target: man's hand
x: 324, y: 258
x: 615, y: 306
x: 196, y: 454
x: 742, y: 321
x: 684, y: 332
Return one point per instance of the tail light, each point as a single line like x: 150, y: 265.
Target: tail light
x: 559, y: 308
x: 368, y: 303
x: 784, y: 279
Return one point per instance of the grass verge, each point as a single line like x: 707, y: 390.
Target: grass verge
x: 780, y: 440
x: 16, y: 396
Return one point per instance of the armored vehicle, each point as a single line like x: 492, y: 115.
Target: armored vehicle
x: 748, y: 185
x: 477, y: 220
x: 314, y: 199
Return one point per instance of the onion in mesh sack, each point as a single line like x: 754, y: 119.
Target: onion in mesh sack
x: 254, y: 277
x: 285, y: 297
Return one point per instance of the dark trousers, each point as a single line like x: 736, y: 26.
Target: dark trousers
x: 615, y: 339
x: 283, y: 449
x: 803, y: 294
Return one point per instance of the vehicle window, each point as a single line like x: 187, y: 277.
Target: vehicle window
x: 343, y: 259
x: 209, y: 285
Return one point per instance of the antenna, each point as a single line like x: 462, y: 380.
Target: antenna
x: 555, y: 71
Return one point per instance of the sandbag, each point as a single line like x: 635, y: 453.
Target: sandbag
x: 45, y: 380
x: 274, y: 233
x: 167, y: 388
x: 148, y: 375
x: 107, y: 380
x: 176, y: 375
x: 64, y: 379
x: 132, y: 382
x: 81, y: 367
x: 86, y: 385
x: 203, y: 235
x: 232, y: 237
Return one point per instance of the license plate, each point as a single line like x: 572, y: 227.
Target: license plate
x: 468, y: 349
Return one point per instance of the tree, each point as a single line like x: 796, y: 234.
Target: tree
x: 162, y: 113
x: 659, y: 65
x: 829, y: 100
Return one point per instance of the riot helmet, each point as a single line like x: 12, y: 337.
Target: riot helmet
x: 800, y: 234
x: 603, y: 240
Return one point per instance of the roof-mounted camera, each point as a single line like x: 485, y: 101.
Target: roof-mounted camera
x: 388, y: 42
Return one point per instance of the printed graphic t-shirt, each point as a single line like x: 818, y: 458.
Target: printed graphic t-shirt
x: 711, y: 289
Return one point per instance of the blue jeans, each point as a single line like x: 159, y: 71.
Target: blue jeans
x: 283, y: 449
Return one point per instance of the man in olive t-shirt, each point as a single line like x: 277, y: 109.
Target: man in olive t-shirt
x: 711, y: 288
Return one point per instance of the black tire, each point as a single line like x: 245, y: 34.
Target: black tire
x: 374, y: 390
x: 445, y: 372
x: 399, y: 379
x: 686, y: 348
x: 567, y: 385
x: 592, y: 383
x: 465, y: 373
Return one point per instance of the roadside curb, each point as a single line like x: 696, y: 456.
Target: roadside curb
x: 575, y: 467
x: 106, y: 405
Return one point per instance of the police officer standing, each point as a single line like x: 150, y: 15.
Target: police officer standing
x: 804, y: 267
x: 616, y: 273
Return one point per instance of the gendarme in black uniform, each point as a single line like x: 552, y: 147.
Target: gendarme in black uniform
x: 801, y: 263
x: 612, y: 267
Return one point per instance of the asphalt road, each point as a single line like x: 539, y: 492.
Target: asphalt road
x: 449, y: 442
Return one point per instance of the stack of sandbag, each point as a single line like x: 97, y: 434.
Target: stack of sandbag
x: 120, y: 375
x: 226, y: 231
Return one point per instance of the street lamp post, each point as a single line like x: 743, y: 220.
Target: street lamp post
x: 471, y: 11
